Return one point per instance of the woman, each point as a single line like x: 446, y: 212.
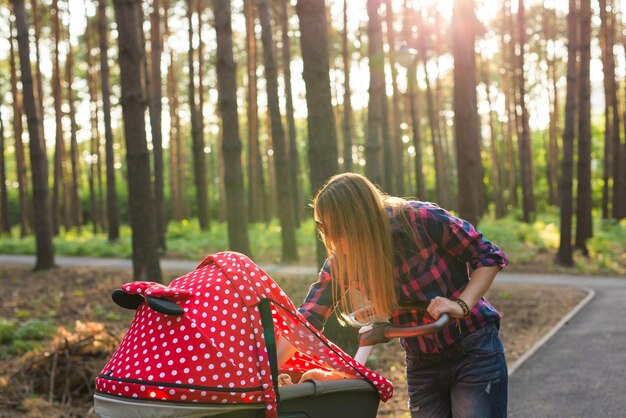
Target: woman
x: 395, y: 252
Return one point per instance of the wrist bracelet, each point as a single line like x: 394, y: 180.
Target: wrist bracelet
x: 461, y: 302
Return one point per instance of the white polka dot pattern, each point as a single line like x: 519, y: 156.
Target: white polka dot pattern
x: 215, y: 352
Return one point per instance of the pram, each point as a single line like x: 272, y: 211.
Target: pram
x: 205, y: 347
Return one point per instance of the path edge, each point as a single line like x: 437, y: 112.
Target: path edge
x: 548, y: 335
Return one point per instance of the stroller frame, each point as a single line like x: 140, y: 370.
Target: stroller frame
x: 340, y: 397
x: 345, y: 397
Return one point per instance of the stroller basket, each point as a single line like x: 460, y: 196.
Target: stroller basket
x: 205, y: 346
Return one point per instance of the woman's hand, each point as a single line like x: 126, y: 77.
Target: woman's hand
x: 441, y: 305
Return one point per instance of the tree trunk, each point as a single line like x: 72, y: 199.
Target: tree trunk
x: 564, y: 254
x: 281, y: 159
x: 548, y: 23
x: 112, y: 207
x: 256, y: 178
x: 155, y: 121
x: 374, y: 158
x: 176, y: 190
x: 496, y: 179
x: 620, y: 169
x: 38, y: 159
x: 466, y: 122
x: 606, y: 51
x: 75, y: 209
x: 200, y: 5
x: 38, y: 82
x: 271, y: 176
x: 524, y: 141
x: 347, y: 94
x: 322, y: 151
x: 386, y: 140
x: 59, y: 151
x: 583, y: 195
x: 420, y: 181
x: 177, y: 149
x: 448, y: 157
x: 440, y: 167
x: 5, y: 225
x: 231, y: 142
x: 618, y: 191
x: 22, y: 173
x: 396, y: 140
x: 292, y: 147
x: 199, y: 158
x: 510, y: 99
x: 413, y: 101
x: 134, y: 102
x: 94, y: 142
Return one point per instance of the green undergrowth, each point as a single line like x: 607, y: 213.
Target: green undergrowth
x: 18, y: 337
x: 531, y: 247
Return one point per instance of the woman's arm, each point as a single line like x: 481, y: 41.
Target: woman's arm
x: 318, y: 303
x: 480, y: 281
x: 316, y: 308
x: 284, y: 350
x: 461, y: 240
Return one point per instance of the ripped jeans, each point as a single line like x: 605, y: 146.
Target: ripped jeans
x: 468, y: 380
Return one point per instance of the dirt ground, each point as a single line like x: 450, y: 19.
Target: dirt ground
x: 56, y: 380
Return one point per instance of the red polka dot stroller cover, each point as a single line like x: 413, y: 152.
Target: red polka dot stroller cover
x: 213, y: 349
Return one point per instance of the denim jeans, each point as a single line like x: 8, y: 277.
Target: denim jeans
x: 468, y: 380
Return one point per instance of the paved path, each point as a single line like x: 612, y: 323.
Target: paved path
x: 581, y: 370
x: 166, y: 264
x: 578, y: 372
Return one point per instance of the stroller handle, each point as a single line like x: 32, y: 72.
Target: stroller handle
x: 382, y: 332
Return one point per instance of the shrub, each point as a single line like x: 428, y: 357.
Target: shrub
x: 7, y: 330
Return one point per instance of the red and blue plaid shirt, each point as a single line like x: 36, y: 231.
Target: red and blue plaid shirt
x: 435, y: 261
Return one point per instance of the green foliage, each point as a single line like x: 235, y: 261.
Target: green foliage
x: 9, y: 245
x: 107, y: 314
x: 530, y: 246
x: 19, y: 337
x: 7, y: 330
x: 72, y: 243
x: 519, y: 240
x: 186, y: 240
x: 535, y: 244
x: 505, y: 294
x: 606, y: 248
x: 34, y: 330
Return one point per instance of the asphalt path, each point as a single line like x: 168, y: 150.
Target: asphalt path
x: 581, y: 370
x: 577, y: 370
x: 166, y: 264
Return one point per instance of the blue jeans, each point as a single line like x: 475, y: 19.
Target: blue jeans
x: 468, y: 380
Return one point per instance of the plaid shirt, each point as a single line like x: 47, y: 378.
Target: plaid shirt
x: 434, y: 264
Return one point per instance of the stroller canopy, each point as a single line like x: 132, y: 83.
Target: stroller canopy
x: 201, y: 339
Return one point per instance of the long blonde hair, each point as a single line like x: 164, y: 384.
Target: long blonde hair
x: 356, y: 232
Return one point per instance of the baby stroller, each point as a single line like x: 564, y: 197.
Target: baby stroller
x: 205, y: 347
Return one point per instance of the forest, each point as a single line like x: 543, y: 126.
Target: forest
x: 175, y: 128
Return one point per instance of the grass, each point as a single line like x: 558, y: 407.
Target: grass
x: 18, y: 337
x: 530, y: 246
x: 83, y: 294
x: 533, y: 246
